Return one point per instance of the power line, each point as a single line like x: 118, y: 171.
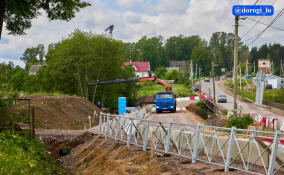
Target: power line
x: 265, y: 24
x: 272, y: 22
x: 255, y: 23
x: 246, y: 17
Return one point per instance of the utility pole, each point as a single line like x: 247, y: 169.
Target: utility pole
x: 240, y: 77
x: 196, y: 70
x: 200, y: 83
x: 214, y: 92
x: 236, y: 49
x: 191, y: 73
x: 246, y: 68
x: 281, y: 68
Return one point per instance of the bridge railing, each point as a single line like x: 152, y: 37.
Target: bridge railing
x: 251, y: 151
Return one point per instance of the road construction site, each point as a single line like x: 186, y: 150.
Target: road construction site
x: 170, y: 148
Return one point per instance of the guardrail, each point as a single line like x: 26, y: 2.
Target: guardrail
x: 239, y: 149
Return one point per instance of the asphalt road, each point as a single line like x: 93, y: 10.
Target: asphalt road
x: 244, y: 106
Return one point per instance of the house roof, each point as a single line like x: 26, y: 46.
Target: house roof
x: 139, y: 66
x: 34, y: 69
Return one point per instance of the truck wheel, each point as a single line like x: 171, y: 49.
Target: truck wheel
x: 158, y: 111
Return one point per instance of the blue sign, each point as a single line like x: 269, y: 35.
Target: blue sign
x: 253, y: 10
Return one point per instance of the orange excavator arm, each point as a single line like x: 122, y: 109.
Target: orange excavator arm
x: 168, y: 87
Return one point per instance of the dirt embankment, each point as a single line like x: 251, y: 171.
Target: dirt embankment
x: 61, y: 112
x: 101, y: 156
x: 60, y: 143
x: 213, y: 120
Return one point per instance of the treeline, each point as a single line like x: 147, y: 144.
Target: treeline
x: 69, y: 65
x: 83, y: 57
x: 219, y: 49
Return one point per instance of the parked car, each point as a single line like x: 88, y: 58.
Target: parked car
x: 217, y: 78
x: 222, y: 98
x: 196, y: 87
x: 206, y: 80
x: 268, y: 86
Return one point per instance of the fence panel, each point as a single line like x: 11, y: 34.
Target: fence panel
x: 257, y: 152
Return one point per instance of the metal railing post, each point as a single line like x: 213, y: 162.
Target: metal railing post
x: 229, y: 155
x: 107, y: 125
x: 147, y: 130
x: 167, y: 147
x: 117, y: 128
x: 129, y: 136
x: 274, y: 153
x: 100, y: 124
x: 196, y: 143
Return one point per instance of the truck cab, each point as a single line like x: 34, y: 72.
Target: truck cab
x: 165, y: 101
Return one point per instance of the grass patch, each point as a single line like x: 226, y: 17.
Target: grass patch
x: 270, y: 95
x: 20, y: 155
x: 150, y: 88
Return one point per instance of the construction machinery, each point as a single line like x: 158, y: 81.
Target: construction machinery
x: 165, y: 101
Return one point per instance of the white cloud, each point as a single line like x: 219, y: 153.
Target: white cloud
x: 127, y: 3
x: 166, y: 18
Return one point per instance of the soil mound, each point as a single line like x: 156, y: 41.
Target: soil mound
x: 61, y: 112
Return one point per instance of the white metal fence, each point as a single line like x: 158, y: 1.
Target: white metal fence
x: 251, y: 151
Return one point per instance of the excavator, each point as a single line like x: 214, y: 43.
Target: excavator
x: 165, y: 101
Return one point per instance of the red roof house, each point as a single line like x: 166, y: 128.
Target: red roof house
x: 141, y: 69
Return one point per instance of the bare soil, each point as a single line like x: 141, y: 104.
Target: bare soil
x: 60, y: 112
x: 58, y: 141
x: 100, y: 156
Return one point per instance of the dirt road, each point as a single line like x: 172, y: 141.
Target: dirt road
x: 181, y: 116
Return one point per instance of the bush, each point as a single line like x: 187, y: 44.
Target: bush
x: 201, y: 111
x: 225, y: 112
x: 7, y: 99
x: 240, y: 122
x: 20, y: 155
x: 199, y: 104
x: 174, y: 75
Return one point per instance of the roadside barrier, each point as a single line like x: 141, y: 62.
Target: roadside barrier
x: 258, y: 152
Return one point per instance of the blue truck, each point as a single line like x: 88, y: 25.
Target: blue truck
x: 165, y: 101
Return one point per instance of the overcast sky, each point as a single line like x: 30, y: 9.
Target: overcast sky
x: 136, y: 18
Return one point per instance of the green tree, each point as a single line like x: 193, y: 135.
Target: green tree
x: 18, y: 14
x: 150, y: 49
x: 221, y: 44
x: 85, y: 57
x: 203, y: 57
x: 174, y: 75
x: 160, y: 72
x: 33, y: 56
x: 181, y: 47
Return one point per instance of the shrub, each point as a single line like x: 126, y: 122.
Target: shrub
x: 201, y: 111
x: 19, y: 155
x: 240, y: 122
x: 225, y: 112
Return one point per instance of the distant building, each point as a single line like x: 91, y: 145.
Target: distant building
x: 178, y: 64
x: 275, y: 81
x: 34, y: 69
x: 141, y: 69
x: 172, y: 68
x: 264, y: 66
